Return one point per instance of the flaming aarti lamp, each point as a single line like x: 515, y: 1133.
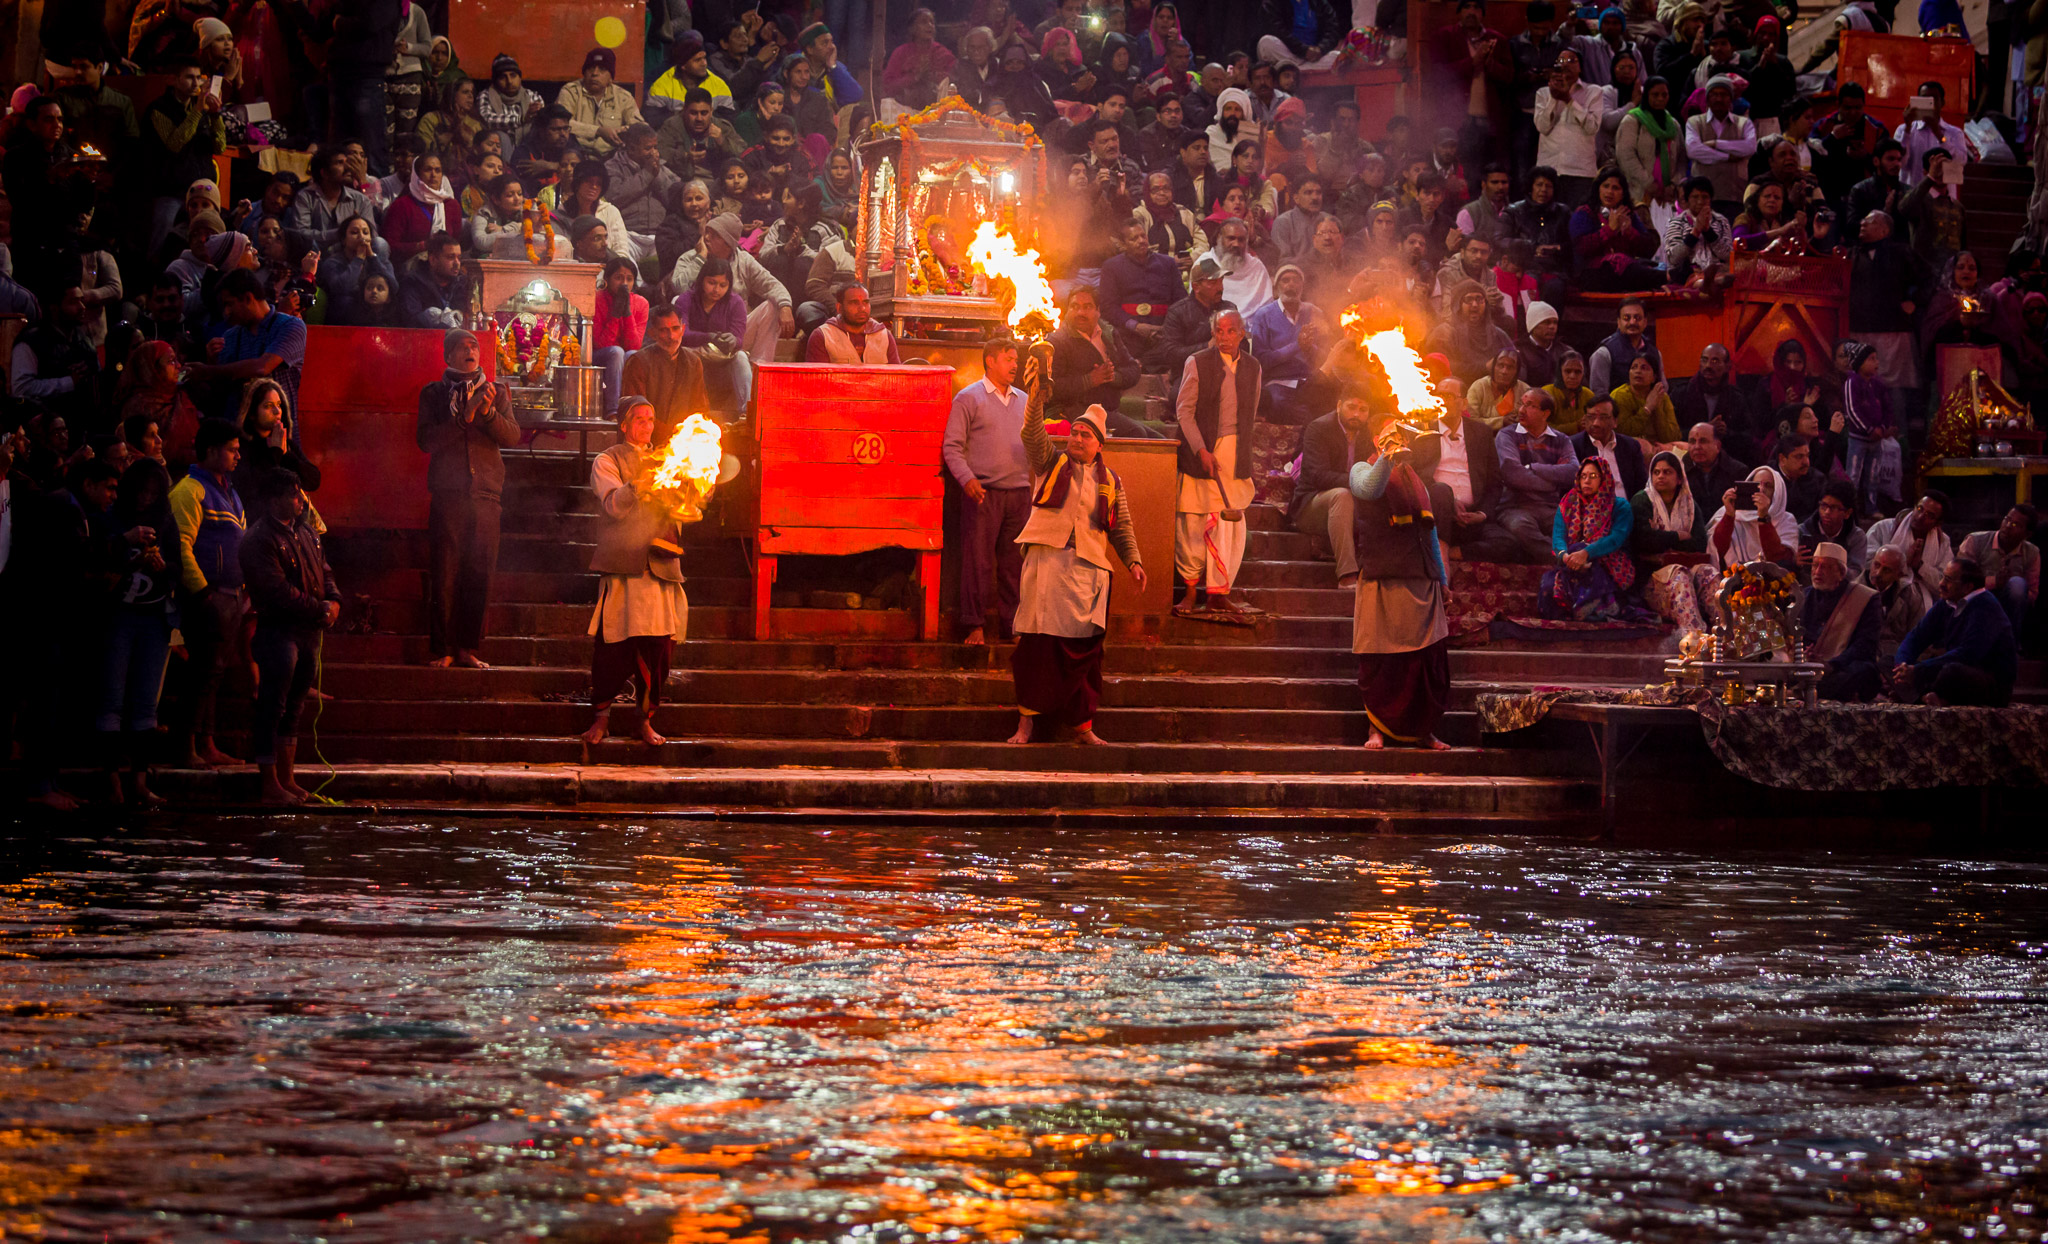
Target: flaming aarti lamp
x: 693, y: 464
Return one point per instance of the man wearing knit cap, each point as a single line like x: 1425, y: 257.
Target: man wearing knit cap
x: 1217, y: 407
x: 815, y: 41
x: 1079, y: 512
x: 1598, y: 52
x: 689, y: 66
x: 464, y: 420
x: 1719, y: 142
x: 1289, y: 337
x: 1841, y: 627
x: 1679, y: 54
x: 506, y: 105
x: 599, y: 109
x: 769, y: 312
x: 1539, y: 347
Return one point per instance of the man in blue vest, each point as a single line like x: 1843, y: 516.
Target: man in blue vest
x: 1608, y: 368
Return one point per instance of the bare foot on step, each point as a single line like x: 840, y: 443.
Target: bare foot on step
x: 595, y: 735
x: 1374, y: 742
x: 1436, y: 744
x: 1086, y: 734
x: 649, y: 737
x: 1023, y: 734
x: 975, y: 638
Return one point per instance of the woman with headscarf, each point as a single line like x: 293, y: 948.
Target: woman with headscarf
x: 150, y: 388
x: 1468, y: 337
x: 1669, y: 537
x: 1649, y: 145
x: 1589, y: 542
x: 444, y: 67
x: 426, y: 208
x: 1060, y: 66
x: 1875, y: 462
x: 1761, y: 531
x: 1024, y: 94
x: 1162, y: 28
x: 1494, y: 397
x: 1960, y: 291
x: 1789, y: 380
x: 1116, y: 65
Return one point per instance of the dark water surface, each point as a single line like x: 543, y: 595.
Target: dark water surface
x: 381, y: 1030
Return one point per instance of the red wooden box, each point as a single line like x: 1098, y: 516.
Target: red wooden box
x: 850, y: 462
x: 1890, y: 68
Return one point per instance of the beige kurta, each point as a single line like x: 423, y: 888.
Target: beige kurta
x: 1059, y: 593
x: 638, y: 604
x: 1398, y: 615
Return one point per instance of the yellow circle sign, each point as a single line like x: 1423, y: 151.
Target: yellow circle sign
x: 610, y: 32
x: 868, y: 449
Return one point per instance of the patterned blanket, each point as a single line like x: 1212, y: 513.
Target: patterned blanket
x: 1880, y: 746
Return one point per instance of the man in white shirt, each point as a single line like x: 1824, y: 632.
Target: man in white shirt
x: 1568, y: 129
x: 1623, y: 455
x: 1924, y: 131
x: 1719, y: 143
x: 1246, y: 283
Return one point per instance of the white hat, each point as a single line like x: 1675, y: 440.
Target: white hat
x: 1540, y: 313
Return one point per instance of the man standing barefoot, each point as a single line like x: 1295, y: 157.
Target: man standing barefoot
x: 1078, y: 511
x: 641, y: 611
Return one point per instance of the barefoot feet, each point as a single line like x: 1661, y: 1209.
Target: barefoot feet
x: 1374, y: 742
x: 975, y: 638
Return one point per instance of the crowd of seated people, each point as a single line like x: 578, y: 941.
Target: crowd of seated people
x: 163, y: 318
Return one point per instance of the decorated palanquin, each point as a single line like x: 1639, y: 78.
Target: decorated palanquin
x: 928, y: 183
x: 1978, y: 418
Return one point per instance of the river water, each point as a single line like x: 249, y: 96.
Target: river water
x: 405, y: 1030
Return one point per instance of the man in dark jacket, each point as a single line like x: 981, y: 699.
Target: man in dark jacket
x: 1598, y: 439
x: 437, y: 293
x: 1187, y: 322
x: 357, y: 58
x: 1091, y: 366
x: 292, y: 589
x: 1709, y: 469
x: 1879, y: 192
x: 1886, y: 282
x: 1545, y: 224
x: 464, y: 420
x: 1712, y: 396
x: 1322, y: 502
x: 1962, y: 653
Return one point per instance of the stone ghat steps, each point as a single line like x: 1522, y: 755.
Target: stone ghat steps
x: 1445, y: 803
x: 694, y: 751
x: 1521, y: 666
x: 1248, y: 727
x: 894, y: 688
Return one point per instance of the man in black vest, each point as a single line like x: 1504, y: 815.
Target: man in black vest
x: 464, y: 421
x: 1218, y: 402
x: 1400, y: 623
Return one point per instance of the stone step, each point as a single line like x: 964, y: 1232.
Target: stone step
x: 832, y: 791
x: 1116, y: 756
x: 935, y: 723
x: 394, y: 684
x: 1334, y: 661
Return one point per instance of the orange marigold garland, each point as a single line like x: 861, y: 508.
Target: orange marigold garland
x: 547, y: 231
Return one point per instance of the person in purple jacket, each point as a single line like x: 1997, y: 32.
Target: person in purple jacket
x: 714, y: 320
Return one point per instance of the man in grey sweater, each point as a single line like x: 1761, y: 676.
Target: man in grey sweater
x: 984, y: 453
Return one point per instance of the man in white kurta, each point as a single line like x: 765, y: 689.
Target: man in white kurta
x: 1217, y: 407
x: 642, y: 612
x: 1078, y: 512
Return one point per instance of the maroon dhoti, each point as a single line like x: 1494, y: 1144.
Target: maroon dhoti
x: 1059, y: 679
x: 1406, y: 692
x: 640, y: 658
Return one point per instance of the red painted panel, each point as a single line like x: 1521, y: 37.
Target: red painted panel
x: 843, y: 540
x: 802, y: 486
x: 359, y: 401
x: 836, y: 445
x: 1891, y: 68
x: 549, y: 37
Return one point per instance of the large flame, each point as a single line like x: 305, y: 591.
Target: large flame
x: 1405, y: 376
x: 996, y: 253
x: 689, y: 468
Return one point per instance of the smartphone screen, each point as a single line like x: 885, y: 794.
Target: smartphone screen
x: 1924, y: 103
x: 213, y: 86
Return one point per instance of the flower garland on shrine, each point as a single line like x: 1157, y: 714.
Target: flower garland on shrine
x: 526, y: 343
x: 906, y: 128
x: 547, y: 223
